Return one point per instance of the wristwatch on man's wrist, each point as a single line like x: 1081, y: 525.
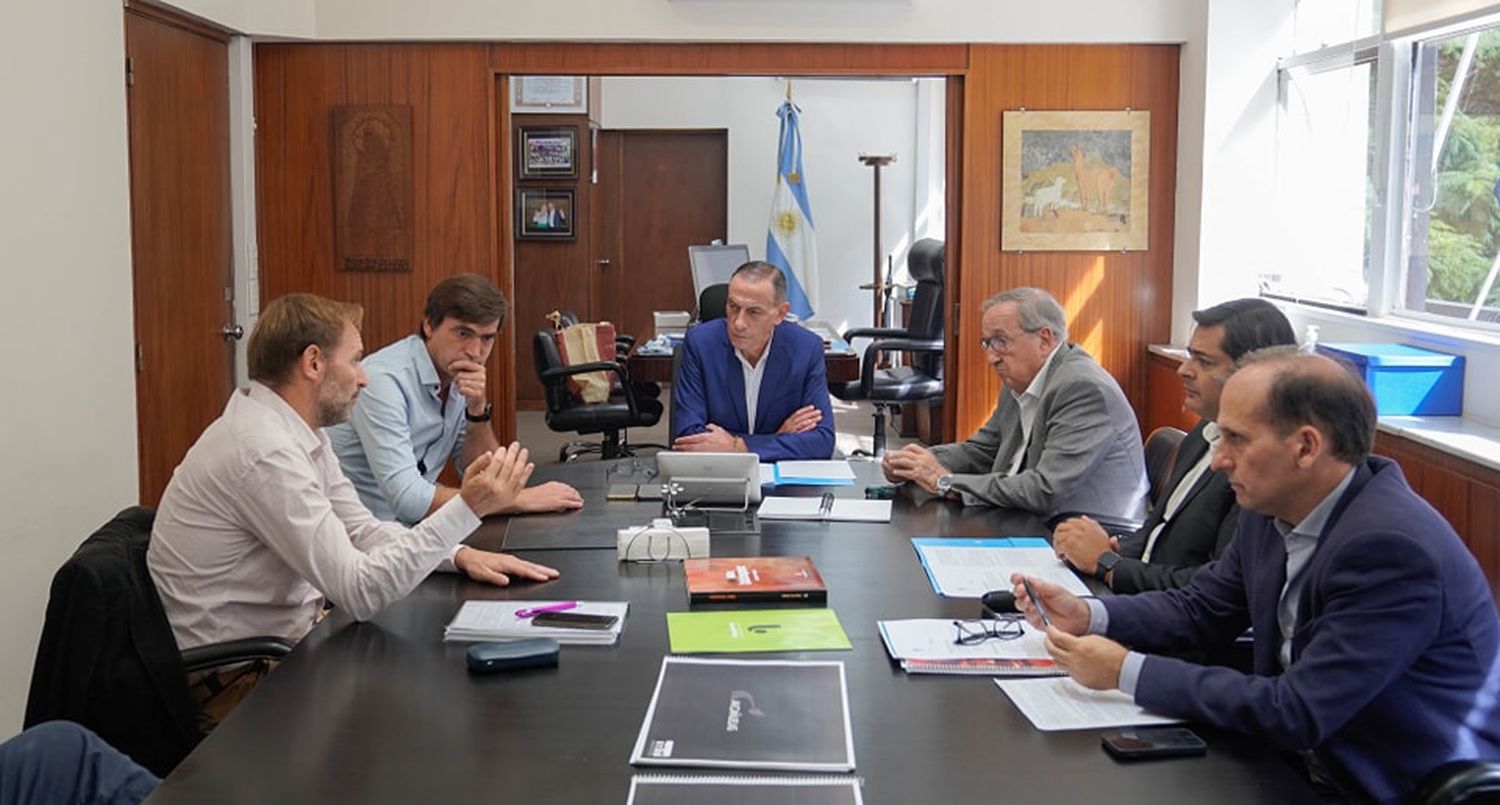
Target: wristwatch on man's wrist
x: 489, y: 412
x: 1105, y: 563
x: 944, y: 484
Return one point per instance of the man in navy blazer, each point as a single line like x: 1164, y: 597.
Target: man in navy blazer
x: 753, y: 361
x: 1194, y: 517
x: 1376, y: 639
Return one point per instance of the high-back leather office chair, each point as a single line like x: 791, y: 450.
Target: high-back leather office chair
x: 107, y: 658
x: 923, y: 337
x: 1161, y: 454
x: 1462, y: 782
x: 611, y: 418
x: 712, y: 301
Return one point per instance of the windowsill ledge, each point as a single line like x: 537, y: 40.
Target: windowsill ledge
x: 1462, y: 437
x: 1458, y: 436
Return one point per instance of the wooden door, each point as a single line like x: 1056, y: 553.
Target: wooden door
x: 658, y: 193
x: 178, y: 105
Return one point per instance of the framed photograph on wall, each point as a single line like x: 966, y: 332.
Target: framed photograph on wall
x: 544, y: 213
x: 1075, y: 181
x: 549, y: 93
x: 547, y: 152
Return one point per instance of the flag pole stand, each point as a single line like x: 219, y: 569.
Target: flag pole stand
x: 880, y: 288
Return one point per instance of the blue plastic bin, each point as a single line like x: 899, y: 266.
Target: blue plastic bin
x: 1406, y: 381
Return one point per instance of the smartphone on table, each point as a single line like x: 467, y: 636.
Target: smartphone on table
x: 574, y: 620
x: 1145, y: 743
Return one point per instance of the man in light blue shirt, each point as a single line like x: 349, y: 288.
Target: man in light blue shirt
x: 426, y: 404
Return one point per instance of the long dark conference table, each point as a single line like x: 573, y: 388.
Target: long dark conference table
x: 385, y: 711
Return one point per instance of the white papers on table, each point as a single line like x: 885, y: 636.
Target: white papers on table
x: 815, y: 508
x: 1058, y: 703
x: 928, y: 646
x: 969, y: 568
x: 767, y: 474
x: 933, y: 639
x: 820, y: 470
x: 496, y: 620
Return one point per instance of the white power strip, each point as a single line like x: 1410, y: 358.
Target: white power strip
x: 660, y: 542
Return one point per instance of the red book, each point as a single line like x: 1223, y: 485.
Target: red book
x: 756, y: 578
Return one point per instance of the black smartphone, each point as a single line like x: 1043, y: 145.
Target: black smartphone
x: 1144, y: 743
x: 574, y: 620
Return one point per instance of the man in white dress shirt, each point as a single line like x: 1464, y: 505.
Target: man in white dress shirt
x: 259, y: 525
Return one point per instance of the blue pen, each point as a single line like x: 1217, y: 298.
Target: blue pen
x: 558, y: 607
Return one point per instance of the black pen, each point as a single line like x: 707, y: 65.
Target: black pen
x: 1041, y: 611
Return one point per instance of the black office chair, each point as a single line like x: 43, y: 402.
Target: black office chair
x: 712, y: 301
x: 611, y: 418
x: 107, y: 658
x: 1462, y: 782
x: 923, y: 380
x: 1161, y: 455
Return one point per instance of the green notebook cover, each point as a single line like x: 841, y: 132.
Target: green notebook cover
x: 745, y: 630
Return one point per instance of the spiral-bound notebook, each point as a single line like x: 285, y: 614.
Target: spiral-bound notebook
x: 742, y: 789
x: 931, y: 646
x: 749, y: 714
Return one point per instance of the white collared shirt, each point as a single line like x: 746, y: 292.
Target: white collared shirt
x: 754, y: 375
x: 1301, y: 541
x: 1029, y: 400
x: 1180, y: 493
x: 259, y: 524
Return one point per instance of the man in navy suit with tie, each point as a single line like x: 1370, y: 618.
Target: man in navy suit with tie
x: 1377, y: 645
x: 751, y: 381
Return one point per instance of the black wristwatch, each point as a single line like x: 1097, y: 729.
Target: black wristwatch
x: 1106, y: 563
x: 489, y: 412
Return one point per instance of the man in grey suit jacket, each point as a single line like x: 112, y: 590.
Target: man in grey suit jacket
x: 1062, y: 438
x: 1194, y: 519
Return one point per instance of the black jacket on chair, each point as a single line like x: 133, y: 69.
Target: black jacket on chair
x: 107, y: 658
x: 1201, y: 531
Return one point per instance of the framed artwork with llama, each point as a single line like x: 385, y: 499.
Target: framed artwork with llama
x: 1074, y: 181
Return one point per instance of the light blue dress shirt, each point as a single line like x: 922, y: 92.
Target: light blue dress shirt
x: 400, y: 433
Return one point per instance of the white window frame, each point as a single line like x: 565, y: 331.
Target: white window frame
x: 1390, y: 224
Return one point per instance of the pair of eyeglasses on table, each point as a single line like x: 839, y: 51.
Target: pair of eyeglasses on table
x: 1003, y: 627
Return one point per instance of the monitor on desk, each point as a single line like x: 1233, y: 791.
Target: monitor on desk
x: 714, y: 264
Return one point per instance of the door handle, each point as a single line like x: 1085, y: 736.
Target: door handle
x: 604, y: 261
x: 232, y: 331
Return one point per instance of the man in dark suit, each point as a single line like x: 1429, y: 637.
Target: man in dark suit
x: 1063, y: 438
x: 1377, y: 645
x: 751, y: 381
x: 1194, y: 519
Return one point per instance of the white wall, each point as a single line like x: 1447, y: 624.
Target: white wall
x: 839, y: 121
x: 761, y: 20
x: 68, y: 430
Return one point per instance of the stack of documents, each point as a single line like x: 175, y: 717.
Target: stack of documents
x: 928, y: 646
x: 969, y: 568
x: 496, y: 620
x: 826, y: 507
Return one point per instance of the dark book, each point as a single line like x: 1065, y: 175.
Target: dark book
x: 775, y: 715
x: 754, y: 578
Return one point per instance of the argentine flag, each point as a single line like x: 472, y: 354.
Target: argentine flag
x: 790, y: 242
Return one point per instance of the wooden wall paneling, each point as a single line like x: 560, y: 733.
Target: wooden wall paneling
x: 726, y: 58
x: 513, y: 346
x: 1465, y: 493
x: 953, y: 194
x: 1115, y: 301
x: 549, y: 274
x: 449, y: 88
x: 1164, y: 396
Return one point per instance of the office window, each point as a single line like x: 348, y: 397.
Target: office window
x: 1325, y: 168
x: 1453, y: 230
